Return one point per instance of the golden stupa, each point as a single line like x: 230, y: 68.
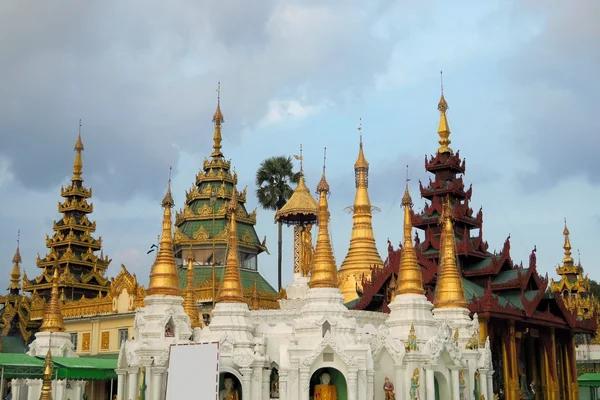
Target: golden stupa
x: 53, y: 319
x: 449, y: 291
x: 443, y: 127
x: 46, y: 393
x: 362, y: 254
x: 15, y: 275
x: 164, y: 279
x: 410, y: 279
x: 190, y: 304
x: 323, y: 270
x: 231, y: 288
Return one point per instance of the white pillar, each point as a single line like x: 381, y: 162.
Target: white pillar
x: 371, y: 385
x: 455, y: 386
x: 429, y: 384
x: 158, y: 392
x: 121, y: 373
x: 304, y: 383
x: 246, y: 382
x: 133, y: 384
x: 17, y: 388
x: 352, y: 380
x: 34, y: 389
x: 490, y: 385
x: 266, y: 383
x: 60, y: 390
x: 362, y: 384
x: 283, y: 384
x: 483, y: 383
x: 77, y: 388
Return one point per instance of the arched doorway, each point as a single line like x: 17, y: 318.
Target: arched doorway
x: 236, y: 385
x: 442, y: 389
x: 337, y: 379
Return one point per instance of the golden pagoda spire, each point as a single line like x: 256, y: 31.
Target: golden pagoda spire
x: 362, y: 253
x: 52, y: 321
x: 324, y: 271
x: 231, y: 287
x: 189, y: 301
x: 15, y: 275
x: 410, y: 279
x: 449, y: 291
x: 164, y: 279
x: 46, y: 393
x: 567, y: 259
x: 443, y: 128
x: 78, y: 164
x: 218, y: 120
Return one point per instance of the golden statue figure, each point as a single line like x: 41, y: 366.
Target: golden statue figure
x: 388, y: 388
x: 414, y: 385
x: 325, y: 391
x: 229, y: 393
x: 412, y: 345
x: 473, y: 343
x: 308, y: 250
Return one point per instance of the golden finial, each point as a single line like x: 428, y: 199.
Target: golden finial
x: 301, y: 159
x: 231, y: 288
x: 567, y: 260
x: 189, y: 302
x: 443, y: 128
x: 164, y: 279
x: 409, y: 273
x: 15, y: 275
x: 46, y: 393
x: 324, y: 271
x: 449, y: 291
x: 52, y: 321
x: 78, y: 164
x: 361, y: 162
x: 217, y: 120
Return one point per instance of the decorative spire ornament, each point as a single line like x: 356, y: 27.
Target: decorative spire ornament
x: 46, y: 393
x: 15, y: 275
x: 189, y: 301
x: 443, y: 127
x: 410, y: 279
x: 217, y: 120
x: 78, y: 163
x: 52, y: 321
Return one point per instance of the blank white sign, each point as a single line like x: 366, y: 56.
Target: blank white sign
x: 193, y: 372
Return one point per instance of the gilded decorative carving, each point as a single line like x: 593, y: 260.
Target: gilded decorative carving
x: 247, y: 237
x: 105, y: 341
x: 85, y: 341
x: 201, y: 234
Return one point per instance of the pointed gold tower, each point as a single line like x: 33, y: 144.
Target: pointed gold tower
x: 410, y: 279
x: 164, y: 279
x: 15, y: 275
x: 323, y: 271
x: 443, y: 127
x: 52, y: 320
x: 231, y: 288
x: 189, y: 300
x: 362, y: 254
x: 218, y: 120
x: 46, y: 393
x: 449, y: 291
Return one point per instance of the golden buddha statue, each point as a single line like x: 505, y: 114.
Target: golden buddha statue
x: 325, y: 391
x: 229, y: 393
x: 308, y: 250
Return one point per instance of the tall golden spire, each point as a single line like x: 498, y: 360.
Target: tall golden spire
x: 362, y: 253
x: 449, y: 291
x: 443, y: 128
x: 15, y: 275
x: 231, y: 288
x: 52, y: 321
x: 567, y: 259
x: 189, y: 301
x: 218, y: 120
x: 78, y: 164
x: 324, y: 271
x: 46, y: 393
x: 410, y: 279
x: 164, y: 279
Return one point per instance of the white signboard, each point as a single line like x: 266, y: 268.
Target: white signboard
x: 193, y: 372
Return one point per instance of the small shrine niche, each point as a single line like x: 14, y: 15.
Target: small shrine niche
x: 274, y: 383
x: 170, y: 328
x: 326, y: 327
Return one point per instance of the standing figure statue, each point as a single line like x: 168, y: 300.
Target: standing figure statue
x: 308, y: 250
x: 412, y: 340
x: 414, y: 385
x: 388, y: 388
x: 325, y: 391
x: 229, y: 393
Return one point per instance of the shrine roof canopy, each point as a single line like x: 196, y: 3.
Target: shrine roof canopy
x: 589, y: 379
x: 86, y: 368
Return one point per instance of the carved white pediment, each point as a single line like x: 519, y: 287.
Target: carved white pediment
x: 227, y: 343
x: 444, y: 341
x: 329, y: 341
x: 393, y: 345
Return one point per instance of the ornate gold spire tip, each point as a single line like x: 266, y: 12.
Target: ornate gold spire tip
x: 17, y: 257
x: 168, y: 199
x: 323, y: 186
x: 443, y: 127
x: 217, y: 120
x: 46, y: 393
x: 78, y: 163
x: 361, y: 161
x: 52, y: 321
x: 15, y: 275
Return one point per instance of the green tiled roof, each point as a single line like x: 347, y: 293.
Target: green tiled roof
x: 247, y: 277
x: 507, y: 276
x: 352, y: 303
x: 486, y: 262
x: 515, y: 298
x: 188, y: 228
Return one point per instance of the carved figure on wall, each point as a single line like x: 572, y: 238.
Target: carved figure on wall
x: 325, y: 391
x: 229, y: 393
x: 461, y: 384
x: 414, y: 385
x: 275, y: 384
x: 308, y: 250
x: 473, y: 343
x: 388, y: 388
x: 169, y: 332
x: 260, y: 344
x: 412, y: 345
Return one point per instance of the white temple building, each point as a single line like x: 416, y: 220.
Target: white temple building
x: 314, y: 347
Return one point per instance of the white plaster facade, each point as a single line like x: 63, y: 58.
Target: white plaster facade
x: 314, y: 330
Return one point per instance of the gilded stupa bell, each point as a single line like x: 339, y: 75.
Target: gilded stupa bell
x: 164, y: 279
x: 231, y: 287
x: 362, y: 254
x: 324, y: 271
x: 52, y: 321
x: 410, y: 279
x: 449, y: 291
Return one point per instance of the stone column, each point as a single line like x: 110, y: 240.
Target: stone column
x: 59, y: 389
x: 283, y: 384
x: 352, y: 383
x: 455, y: 386
x: 34, y: 388
x: 246, y: 382
x: 362, y: 384
x: 266, y: 384
x: 17, y: 386
x: 77, y: 389
x: 121, y: 373
x: 429, y: 384
x: 483, y: 382
x: 133, y: 384
x: 490, y: 385
x: 304, y: 383
x: 158, y: 391
x: 370, y: 385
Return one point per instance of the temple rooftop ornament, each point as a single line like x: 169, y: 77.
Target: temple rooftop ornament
x: 410, y: 280
x: 53, y: 319
x: 164, y: 279
x: 443, y: 127
x: 324, y: 271
x: 46, y: 393
x: 218, y: 120
x: 15, y: 276
x: 190, y: 304
x: 362, y: 254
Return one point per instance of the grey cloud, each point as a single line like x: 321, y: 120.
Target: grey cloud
x: 142, y: 77
x: 555, y: 91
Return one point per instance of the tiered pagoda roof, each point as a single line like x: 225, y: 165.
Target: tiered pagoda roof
x: 73, y: 248
x: 493, y: 284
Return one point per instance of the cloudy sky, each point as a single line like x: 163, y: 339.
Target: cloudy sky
x: 520, y: 79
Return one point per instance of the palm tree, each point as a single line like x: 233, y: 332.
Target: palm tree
x: 273, y: 179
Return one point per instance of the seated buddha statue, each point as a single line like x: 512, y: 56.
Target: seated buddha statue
x: 325, y: 391
x: 229, y: 393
